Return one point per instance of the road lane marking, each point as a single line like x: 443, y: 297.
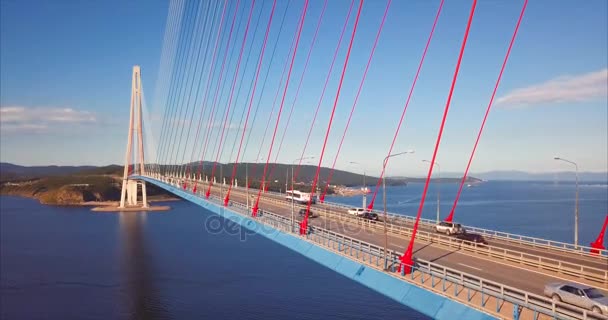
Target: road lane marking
x: 468, y: 266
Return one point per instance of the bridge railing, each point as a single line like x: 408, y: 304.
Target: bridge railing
x: 517, y: 239
x: 425, y: 271
x: 447, y: 281
x: 505, y: 236
x: 510, y: 256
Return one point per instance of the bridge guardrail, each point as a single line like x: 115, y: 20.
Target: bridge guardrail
x: 505, y: 236
x: 499, y: 235
x: 492, y: 234
x: 537, y: 304
x: 549, y: 264
x: 521, y: 258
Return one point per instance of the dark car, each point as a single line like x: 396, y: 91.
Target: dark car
x: 311, y: 214
x: 370, y: 216
x: 472, y: 237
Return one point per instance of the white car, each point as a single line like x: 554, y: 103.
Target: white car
x: 579, y: 295
x: 357, y: 211
x: 449, y: 228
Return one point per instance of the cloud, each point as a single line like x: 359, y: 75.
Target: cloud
x: 38, y: 120
x: 562, y: 89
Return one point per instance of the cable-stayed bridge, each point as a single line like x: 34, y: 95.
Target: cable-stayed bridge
x: 218, y: 65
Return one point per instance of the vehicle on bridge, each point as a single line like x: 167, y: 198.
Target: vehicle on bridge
x: 579, y: 295
x: 311, y: 214
x: 357, y: 211
x: 472, y: 238
x: 370, y: 216
x: 449, y: 228
x: 301, y: 197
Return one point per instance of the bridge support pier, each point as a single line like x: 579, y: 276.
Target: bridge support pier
x: 134, y: 156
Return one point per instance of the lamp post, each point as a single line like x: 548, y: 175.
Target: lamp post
x: 384, y: 201
x: 292, y: 182
x: 364, y: 186
x: 575, y: 200
x: 438, y: 184
x: 221, y: 181
x: 247, y: 179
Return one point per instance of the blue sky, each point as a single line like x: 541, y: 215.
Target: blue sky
x: 66, y: 71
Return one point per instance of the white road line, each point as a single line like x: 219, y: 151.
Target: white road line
x: 468, y: 266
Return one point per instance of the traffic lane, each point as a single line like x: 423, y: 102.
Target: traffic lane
x: 553, y: 254
x: 493, y: 271
x: 542, y: 252
x: 508, y: 275
x: 550, y: 254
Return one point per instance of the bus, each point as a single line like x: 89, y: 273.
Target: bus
x: 301, y: 197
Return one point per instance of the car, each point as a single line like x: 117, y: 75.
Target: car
x: 357, y: 211
x: 449, y: 228
x: 311, y: 214
x: 370, y: 215
x: 578, y: 295
x: 472, y: 237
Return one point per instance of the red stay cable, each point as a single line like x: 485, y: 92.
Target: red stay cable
x: 236, y: 75
x: 211, y: 69
x: 293, y: 104
x: 214, y: 104
x: 274, y: 103
x: 407, y: 102
x: 352, y: 110
x: 406, y: 258
x: 255, y: 208
x: 483, y: 123
x: 304, y: 223
x: 255, y: 83
x: 331, y: 67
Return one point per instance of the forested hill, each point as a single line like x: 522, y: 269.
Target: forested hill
x: 276, y: 172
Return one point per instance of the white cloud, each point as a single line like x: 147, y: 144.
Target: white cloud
x: 37, y: 120
x: 562, y: 89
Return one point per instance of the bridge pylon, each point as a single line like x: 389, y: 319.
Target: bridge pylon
x: 134, y: 156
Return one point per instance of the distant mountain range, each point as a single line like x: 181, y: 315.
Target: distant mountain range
x: 9, y: 171
x: 546, y: 176
x: 12, y: 171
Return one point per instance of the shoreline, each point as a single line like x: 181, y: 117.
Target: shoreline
x: 101, y: 204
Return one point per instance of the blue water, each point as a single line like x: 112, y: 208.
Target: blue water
x: 71, y: 263
x: 538, y: 209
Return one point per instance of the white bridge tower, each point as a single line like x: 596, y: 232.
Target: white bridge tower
x: 134, y: 157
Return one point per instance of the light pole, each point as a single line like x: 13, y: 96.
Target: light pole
x: 221, y: 181
x: 247, y: 179
x: 438, y: 184
x: 364, y: 186
x: 384, y: 201
x: 575, y: 200
x: 292, y: 182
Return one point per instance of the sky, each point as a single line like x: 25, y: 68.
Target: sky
x: 65, y: 83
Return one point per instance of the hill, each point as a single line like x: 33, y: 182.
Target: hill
x: 9, y: 171
x: 544, y: 176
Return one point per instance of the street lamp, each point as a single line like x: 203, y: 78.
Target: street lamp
x: 247, y: 179
x: 292, y: 182
x: 384, y: 201
x: 575, y: 200
x: 364, y: 185
x: 438, y: 184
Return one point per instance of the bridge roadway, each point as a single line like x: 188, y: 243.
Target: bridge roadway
x: 594, y: 262
x: 518, y: 276
x: 516, y: 279
x: 600, y: 263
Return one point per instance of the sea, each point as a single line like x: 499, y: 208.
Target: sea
x: 186, y: 263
